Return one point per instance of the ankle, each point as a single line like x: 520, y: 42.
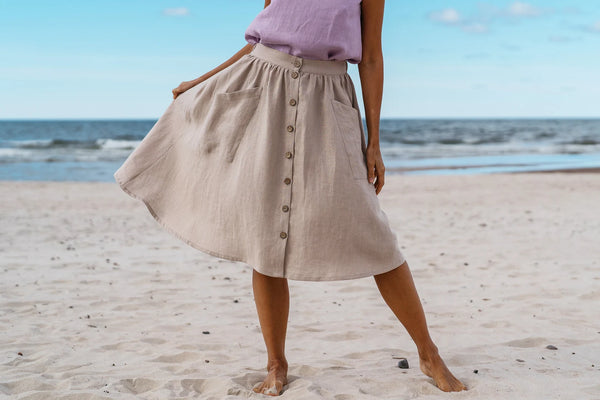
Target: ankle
x: 277, y: 363
x: 428, y: 352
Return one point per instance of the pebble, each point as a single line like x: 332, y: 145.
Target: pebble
x: 403, y: 363
x: 206, y: 332
x: 475, y: 371
x: 551, y: 347
x: 519, y: 360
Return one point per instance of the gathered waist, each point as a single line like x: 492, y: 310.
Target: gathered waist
x: 296, y: 63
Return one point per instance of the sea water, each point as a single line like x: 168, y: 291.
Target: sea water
x: 92, y: 150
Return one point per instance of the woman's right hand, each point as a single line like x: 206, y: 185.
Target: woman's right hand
x: 183, y: 86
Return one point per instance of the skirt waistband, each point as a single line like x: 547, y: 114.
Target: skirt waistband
x: 298, y: 63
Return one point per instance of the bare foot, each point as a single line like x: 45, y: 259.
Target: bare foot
x: 434, y: 367
x: 275, y: 381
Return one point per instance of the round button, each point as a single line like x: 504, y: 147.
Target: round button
x: 283, y: 235
x: 288, y: 154
x: 290, y: 128
x: 287, y: 181
x: 292, y: 102
x: 285, y: 208
x: 296, y: 63
x: 294, y: 74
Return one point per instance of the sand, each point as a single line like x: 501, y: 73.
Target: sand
x: 98, y: 302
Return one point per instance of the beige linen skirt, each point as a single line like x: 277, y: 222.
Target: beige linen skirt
x: 264, y: 163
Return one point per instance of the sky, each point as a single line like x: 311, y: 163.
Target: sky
x: 443, y: 59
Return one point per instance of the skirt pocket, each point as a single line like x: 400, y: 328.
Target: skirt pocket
x: 227, y: 121
x: 347, y: 121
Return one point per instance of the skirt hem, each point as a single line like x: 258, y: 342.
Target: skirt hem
x: 190, y: 243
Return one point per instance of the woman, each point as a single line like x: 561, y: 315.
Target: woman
x: 263, y: 160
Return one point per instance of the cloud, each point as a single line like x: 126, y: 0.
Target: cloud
x: 596, y: 27
x: 520, y: 9
x: 485, y: 15
x: 176, y: 12
x: 450, y: 16
x: 447, y: 16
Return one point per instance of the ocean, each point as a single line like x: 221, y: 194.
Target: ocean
x: 92, y: 150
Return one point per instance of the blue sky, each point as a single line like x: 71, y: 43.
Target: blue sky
x: 461, y: 58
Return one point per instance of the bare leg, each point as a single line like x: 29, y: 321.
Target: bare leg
x: 271, y: 296
x: 398, y: 290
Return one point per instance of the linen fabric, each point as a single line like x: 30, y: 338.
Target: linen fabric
x: 313, y: 29
x: 264, y: 163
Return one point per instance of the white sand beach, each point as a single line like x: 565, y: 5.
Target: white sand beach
x: 97, y: 301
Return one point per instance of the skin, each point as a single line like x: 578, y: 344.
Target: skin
x: 397, y: 287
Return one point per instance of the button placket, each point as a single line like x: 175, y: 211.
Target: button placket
x: 296, y: 64
x: 292, y: 99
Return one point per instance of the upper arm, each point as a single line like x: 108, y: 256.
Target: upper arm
x: 371, y: 21
x: 267, y: 2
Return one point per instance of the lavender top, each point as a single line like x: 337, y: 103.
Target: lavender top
x: 314, y: 29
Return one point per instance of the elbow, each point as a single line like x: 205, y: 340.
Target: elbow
x: 371, y: 58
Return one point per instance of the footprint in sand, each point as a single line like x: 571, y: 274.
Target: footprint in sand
x: 153, y: 340
x: 24, y: 385
x: 139, y: 385
x: 344, y: 397
x: 337, y: 337
x: 528, y: 342
x: 178, y: 358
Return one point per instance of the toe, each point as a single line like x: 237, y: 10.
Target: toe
x: 258, y: 387
x: 272, y: 391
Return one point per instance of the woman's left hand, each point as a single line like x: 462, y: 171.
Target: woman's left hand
x: 375, y: 166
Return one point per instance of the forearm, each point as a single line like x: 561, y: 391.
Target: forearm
x: 371, y: 79
x: 243, y: 51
